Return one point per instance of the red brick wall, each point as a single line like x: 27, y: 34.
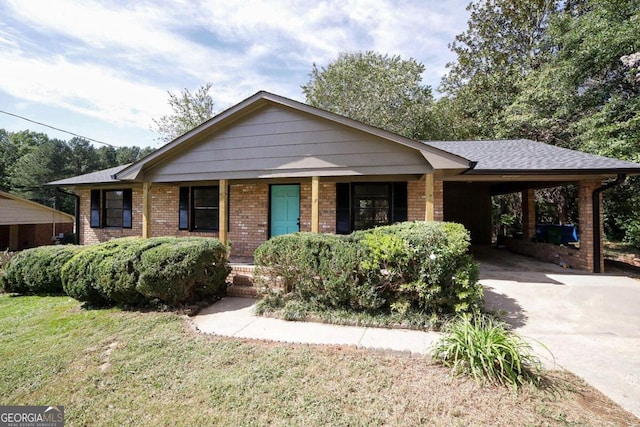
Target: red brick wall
x: 585, y: 215
x: 248, y: 217
x: 164, y: 214
x: 33, y: 235
x: 327, y: 207
x: 417, y: 200
x: 248, y: 213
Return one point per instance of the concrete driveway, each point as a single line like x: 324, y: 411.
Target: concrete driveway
x: 589, y: 322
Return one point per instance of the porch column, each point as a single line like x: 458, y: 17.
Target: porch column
x: 585, y: 219
x: 315, y: 204
x: 429, y: 211
x: 14, y: 237
x: 528, y: 214
x: 223, y: 210
x: 146, y: 210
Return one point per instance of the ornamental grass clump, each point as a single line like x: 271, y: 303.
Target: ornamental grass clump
x: 485, y: 349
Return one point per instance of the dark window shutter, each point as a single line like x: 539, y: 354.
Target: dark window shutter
x: 95, y: 209
x: 399, y: 210
x: 183, y: 209
x: 127, y: 208
x: 343, y: 208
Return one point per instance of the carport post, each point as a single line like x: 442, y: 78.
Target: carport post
x: 528, y: 214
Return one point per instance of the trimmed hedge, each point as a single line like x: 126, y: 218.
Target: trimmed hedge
x: 420, y: 266
x: 37, y: 270
x: 135, y: 271
x: 184, y: 270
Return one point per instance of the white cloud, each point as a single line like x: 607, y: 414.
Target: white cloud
x: 115, y: 62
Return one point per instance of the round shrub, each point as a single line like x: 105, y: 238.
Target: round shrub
x: 184, y: 270
x: 80, y: 274
x: 408, y: 267
x: 317, y: 267
x: 37, y: 270
x: 135, y: 270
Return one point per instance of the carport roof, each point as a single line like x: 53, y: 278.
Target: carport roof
x: 524, y: 156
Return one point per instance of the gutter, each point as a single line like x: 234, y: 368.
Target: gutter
x: 597, y: 235
x: 76, y: 213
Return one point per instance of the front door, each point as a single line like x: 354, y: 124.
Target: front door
x: 285, y: 209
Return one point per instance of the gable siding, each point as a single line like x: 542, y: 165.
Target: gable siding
x: 16, y: 212
x: 278, y: 142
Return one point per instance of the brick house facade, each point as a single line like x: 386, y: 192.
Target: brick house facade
x: 271, y: 165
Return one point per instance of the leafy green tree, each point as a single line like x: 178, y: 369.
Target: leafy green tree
x: 83, y: 157
x: 498, y: 49
x: 107, y: 157
x: 47, y: 162
x: 190, y: 109
x: 8, y: 156
x: 380, y: 90
x: 126, y: 155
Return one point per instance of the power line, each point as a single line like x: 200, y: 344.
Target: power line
x: 58, y: 129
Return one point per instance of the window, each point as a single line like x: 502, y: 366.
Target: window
x: 360, y: 206
x: 111, y: 208
x: 199, y: 209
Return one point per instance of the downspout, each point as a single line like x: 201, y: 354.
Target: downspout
x: 597, y: 236
x: 76, y: 213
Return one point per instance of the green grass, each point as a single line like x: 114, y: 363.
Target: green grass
x: 114, y: 367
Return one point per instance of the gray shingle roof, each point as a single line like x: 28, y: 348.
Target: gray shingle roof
x: 100, y: 177
x: 523, y: 155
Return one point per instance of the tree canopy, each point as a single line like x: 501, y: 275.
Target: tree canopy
x: 380, y: 90
x: 30, y: 159
x: 564, y: 73
x: 190, y: 109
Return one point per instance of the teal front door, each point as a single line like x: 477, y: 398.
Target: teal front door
x: 285, y: 209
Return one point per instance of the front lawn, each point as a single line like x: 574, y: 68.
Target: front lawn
x: 114, y: 367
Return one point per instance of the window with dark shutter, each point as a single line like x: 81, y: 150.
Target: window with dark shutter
x: 343, y: 210
x: 127, y: 209
x: 183, y: 209
x: 94, y: 222
x: 399, y: 206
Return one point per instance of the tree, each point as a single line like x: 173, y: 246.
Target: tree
x: 189, y: 111
x: 380, y: 90
x: 47, y: 162
x: 500, y: 47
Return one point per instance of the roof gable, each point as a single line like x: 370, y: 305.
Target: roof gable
x: 298, y: 125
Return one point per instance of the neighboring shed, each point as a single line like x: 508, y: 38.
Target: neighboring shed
x: 25, y: 224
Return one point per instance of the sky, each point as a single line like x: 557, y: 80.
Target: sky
x: 102, y: 69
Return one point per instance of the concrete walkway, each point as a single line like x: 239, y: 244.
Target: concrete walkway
x: 235, y: 317
x: 590, y: 323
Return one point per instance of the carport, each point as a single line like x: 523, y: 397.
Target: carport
x: 522, y: 166
x: 25, y: 224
